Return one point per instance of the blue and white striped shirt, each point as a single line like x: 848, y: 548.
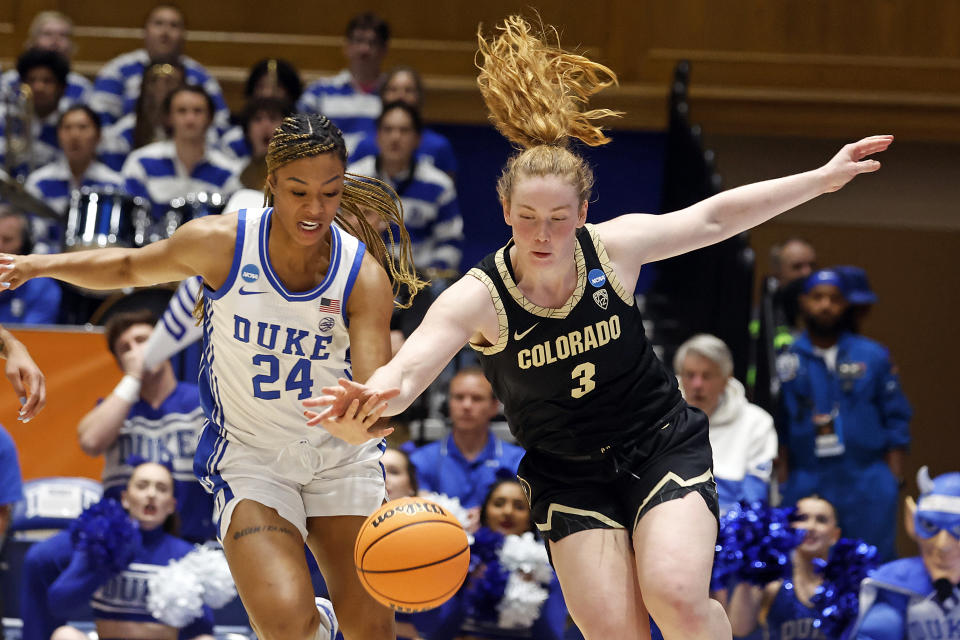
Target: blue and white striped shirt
x: 352, y: 110
x: 117, y: 87
x: 431, y: 213
x: 433, y: 148
x: 155, y: 172
x: 78, y: 90
x: 53, y: 184
x: 116, y: 142
x: 234, y: 145
x: 45, y: 146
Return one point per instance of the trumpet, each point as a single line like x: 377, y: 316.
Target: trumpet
x: 18, y: 132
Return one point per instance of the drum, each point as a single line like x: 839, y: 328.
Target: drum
x: 98, y: 219
x: 193, y: 205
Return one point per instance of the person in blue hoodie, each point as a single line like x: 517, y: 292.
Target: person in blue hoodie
x: 844, y: 418
x: 916, y: 598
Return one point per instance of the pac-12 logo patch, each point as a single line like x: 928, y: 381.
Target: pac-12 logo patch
x: 597, y: 278
x: 250, y: 273
x: 601, y: 298
x: 326, y: 324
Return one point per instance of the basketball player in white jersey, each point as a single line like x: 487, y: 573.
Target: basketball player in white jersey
x: 290, y: 302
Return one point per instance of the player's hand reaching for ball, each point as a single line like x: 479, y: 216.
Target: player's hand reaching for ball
x: 853, y: 160
x: 352, y: 411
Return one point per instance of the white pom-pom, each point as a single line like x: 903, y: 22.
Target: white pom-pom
x: 526, y: 555
x: 450, y: 505
x: 210, y: 567
x: 521, y: 603
x: 175, y: 595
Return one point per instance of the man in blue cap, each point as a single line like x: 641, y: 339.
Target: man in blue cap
x: 843, y: 416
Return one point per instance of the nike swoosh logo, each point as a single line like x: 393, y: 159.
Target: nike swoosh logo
x: 249, y: 293
x: 519, y: 336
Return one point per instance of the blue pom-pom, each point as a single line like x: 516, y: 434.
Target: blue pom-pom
x: 837, y: 599
x: 107, y: 534
x: 488, y: 578
x: 753, y: 545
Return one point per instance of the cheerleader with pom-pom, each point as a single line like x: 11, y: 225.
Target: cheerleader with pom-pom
x: 511, y: 591
x: 784, y: 605
x: 141, y: 582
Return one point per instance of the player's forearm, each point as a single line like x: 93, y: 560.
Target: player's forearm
x: 736, y: 210
x: 93, y: 269
x: 8, y: 344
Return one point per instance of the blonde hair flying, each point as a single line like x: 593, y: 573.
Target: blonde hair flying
x: 537, y: 92
x: 537, y: 95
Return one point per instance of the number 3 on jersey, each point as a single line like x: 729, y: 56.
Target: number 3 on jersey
x: 583, y: 374
x: 298, y: 378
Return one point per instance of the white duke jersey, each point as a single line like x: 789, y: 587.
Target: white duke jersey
x: 267, y: 349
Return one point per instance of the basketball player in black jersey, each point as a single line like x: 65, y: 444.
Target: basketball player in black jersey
x: 618, y: 468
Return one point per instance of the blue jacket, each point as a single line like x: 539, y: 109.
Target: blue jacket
x: 871, y: 413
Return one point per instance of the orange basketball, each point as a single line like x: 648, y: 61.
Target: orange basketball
x: 412, y: 555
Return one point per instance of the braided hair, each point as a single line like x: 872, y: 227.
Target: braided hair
x: 307, y: 135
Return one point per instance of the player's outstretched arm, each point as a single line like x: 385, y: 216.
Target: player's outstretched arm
x: 199, y: 247
x: 636, y: 239
x: 462, y: 313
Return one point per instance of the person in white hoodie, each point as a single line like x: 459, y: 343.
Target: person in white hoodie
x: 742, y: 434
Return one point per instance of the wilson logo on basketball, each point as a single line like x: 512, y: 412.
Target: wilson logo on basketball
x: 409, y: 509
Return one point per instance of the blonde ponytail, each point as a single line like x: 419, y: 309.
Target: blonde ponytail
x: 537, y: 92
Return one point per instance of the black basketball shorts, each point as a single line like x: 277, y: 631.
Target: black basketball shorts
x: 615, y: 489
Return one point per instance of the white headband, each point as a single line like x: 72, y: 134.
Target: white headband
x: 939, y: 502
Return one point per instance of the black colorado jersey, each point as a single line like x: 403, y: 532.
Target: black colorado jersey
x: 576, y: 379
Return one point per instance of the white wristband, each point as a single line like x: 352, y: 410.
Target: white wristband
x: 128, y: 389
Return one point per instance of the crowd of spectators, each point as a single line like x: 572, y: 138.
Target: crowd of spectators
x: 823, y: 423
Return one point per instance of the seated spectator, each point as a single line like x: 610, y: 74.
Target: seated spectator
x: 783, y: 607
x: 431, y: 212
x: 146, y: 123
x: 151, y: 415
x: 260, y: 121
x: 45, y: 73
x: 742, y: 435
x: 117, y: 86
x: 405, y: 84
x: 484, y: 608
x: 58, y: 577
x: 399, y: 474
x: 465, y: 463
x: 185, y: 164
x: 350, y: 98
x: 53, y: 31
x: 78, y: 134
x: 916, y: 598
x: 27, y: 304
x: 274, y: 80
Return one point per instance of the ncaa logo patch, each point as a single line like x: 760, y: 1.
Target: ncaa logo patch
x: 601, y: 298
x: 326, y: 324
x: 250, y: 273
x: 597, y: 278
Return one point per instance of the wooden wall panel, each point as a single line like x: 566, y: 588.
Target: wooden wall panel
x: 805, y: 67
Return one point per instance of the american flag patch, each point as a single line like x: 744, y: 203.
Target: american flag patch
x: 330, y: 305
